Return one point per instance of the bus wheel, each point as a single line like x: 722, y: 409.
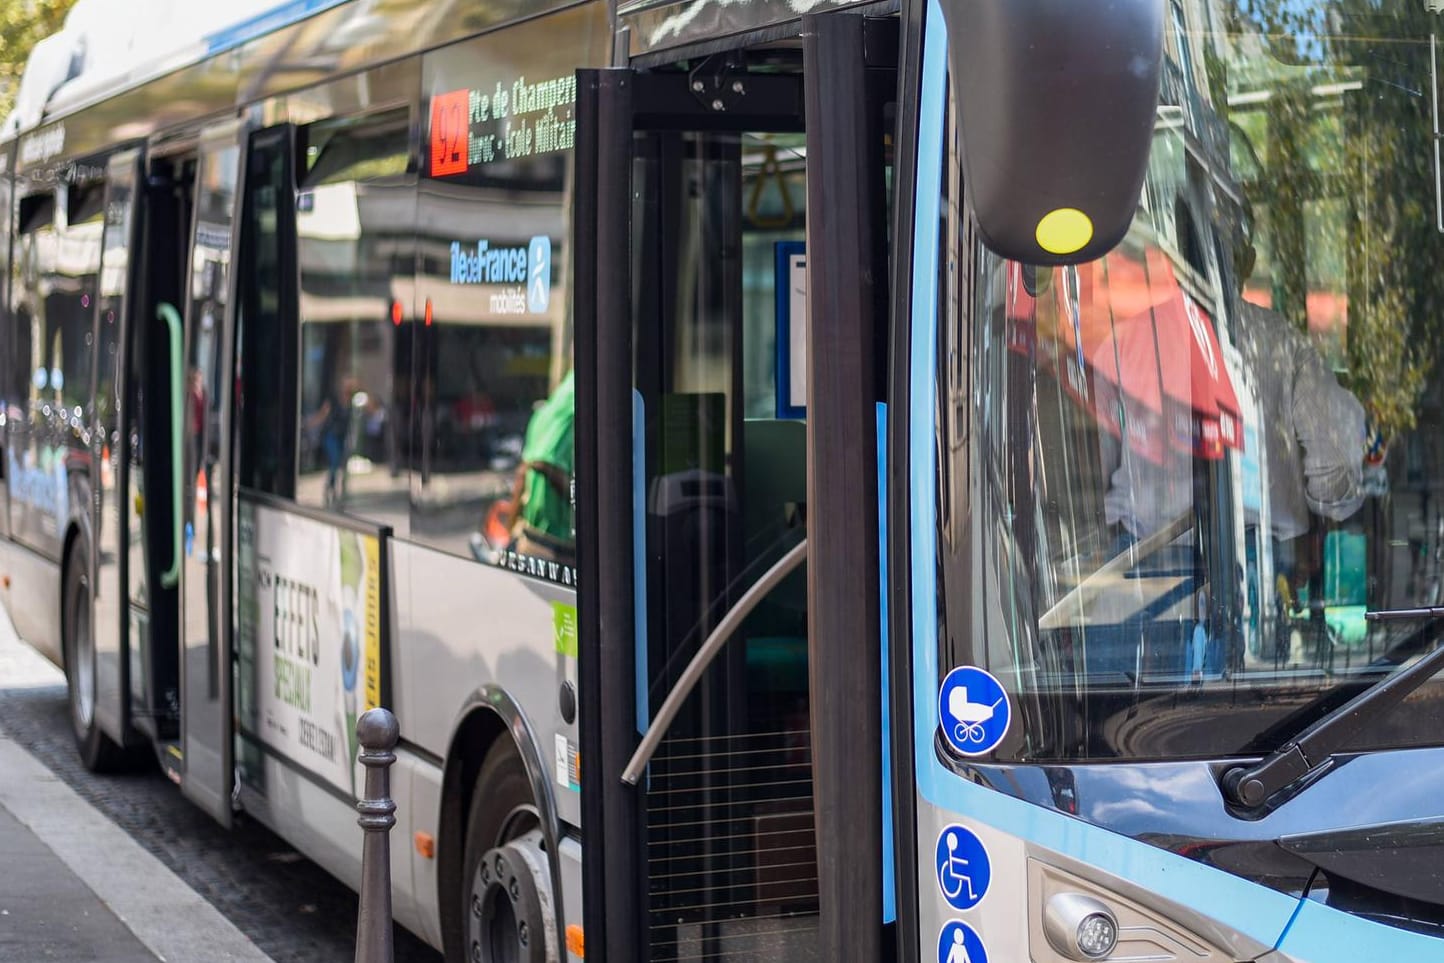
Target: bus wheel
x: 97, y: 750
x: 506, y: 884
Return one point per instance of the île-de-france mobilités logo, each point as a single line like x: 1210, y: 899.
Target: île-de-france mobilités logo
x: 539, y: 275
x: 520, y: 277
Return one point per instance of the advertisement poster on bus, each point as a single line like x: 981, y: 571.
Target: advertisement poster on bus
x: 310, y: 638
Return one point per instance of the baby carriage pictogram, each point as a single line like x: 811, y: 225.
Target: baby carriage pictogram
x: 971, y: 716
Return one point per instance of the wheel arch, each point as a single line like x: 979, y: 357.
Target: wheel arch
x: 490, y: 715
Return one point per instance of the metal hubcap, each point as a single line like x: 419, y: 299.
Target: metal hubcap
x: 510, y: 907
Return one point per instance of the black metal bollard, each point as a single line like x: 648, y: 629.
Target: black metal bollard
x: 378, y: 732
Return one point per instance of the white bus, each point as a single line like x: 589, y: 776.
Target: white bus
x: 804, y: 473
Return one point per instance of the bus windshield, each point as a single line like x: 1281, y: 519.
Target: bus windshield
x: 1172, y: 481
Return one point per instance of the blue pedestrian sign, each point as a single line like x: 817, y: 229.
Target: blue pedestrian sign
x: 974, y: 711
x: 963, y: 869
x: 959, y: 943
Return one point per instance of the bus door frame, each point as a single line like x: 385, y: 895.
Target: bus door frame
x: 110, y: 541
x: 613, y: 104
x: 207, y: 770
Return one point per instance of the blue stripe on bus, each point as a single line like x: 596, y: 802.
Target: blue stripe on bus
x: 265, y: 22
x: 889, y: 870
x: 639, y: 554
x: 1251, y: 909
x: 1317, y: 932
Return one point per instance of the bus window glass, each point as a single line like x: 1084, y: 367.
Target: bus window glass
x: 55, y: 287
x: 355, y: 244
x: 266, y: 326
x: 205, y: 319
x: 34, y: 244
x: 1172, y: 481
x: 494, y: 349
x: 72, y: 301
x: 115, y: 267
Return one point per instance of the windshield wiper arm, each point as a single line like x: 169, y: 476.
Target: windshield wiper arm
x: 1314, y: 748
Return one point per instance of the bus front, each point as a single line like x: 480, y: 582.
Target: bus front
x: 1173, y: 520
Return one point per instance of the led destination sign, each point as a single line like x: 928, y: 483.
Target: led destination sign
x: 507, y: 122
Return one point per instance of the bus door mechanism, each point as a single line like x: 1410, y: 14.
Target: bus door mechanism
x: 1312, y: 752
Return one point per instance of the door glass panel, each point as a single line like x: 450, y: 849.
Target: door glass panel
x: 205, y: 686
x: 108, y: 444
x: 729, y: 802
x: 265, y: 326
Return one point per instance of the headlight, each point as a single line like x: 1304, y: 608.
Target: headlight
x: 1080, y: 927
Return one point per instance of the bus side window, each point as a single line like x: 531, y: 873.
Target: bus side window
x: 35, y: 245
x: 355, y: 241
x: 494, y: 354
x: 266, y: 335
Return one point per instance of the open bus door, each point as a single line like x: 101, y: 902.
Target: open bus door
x: 719, y: 236
x: 206, y: 769
x: 109, y: 443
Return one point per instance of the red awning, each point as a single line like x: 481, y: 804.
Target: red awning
x: 1152, y: 367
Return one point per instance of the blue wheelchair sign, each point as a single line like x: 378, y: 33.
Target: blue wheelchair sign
x: 959, y: 943
x: 963, y: 870
x: 974, y: 711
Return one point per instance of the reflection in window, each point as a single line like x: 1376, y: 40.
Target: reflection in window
x: 1191, y: 466
x: 57, y: 261
x: 494, y: 364
x: 354, y: 216
x: 266, y: 321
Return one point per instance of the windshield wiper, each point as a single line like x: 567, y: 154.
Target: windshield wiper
x: 1314, y: 748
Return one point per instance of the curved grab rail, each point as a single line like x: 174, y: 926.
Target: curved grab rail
x: 167, y: 313
x: 691, y: 675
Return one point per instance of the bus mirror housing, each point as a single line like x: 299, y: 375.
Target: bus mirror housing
x: 1056, y: 105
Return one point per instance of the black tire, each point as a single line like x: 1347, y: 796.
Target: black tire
x: 97, y: 750
x: 502, y: 808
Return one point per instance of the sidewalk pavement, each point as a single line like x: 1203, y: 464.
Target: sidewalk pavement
x: 73, y: 885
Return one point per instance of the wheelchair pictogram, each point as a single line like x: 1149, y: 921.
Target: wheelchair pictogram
x: 974, y: 711
x: 963, y: 867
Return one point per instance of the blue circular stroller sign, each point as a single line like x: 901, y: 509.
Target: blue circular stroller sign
x: 959, y: 943
x: 974, y: 711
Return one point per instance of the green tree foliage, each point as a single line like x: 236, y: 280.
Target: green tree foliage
x: 1346, y: 200
x: 24, y: 23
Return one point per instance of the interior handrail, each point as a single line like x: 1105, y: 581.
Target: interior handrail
x: 167, y: 313
x: 691, y: 675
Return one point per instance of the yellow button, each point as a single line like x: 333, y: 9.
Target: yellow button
x: 1064, y: 231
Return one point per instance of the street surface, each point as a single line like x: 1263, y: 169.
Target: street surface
x: 291, y: 909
